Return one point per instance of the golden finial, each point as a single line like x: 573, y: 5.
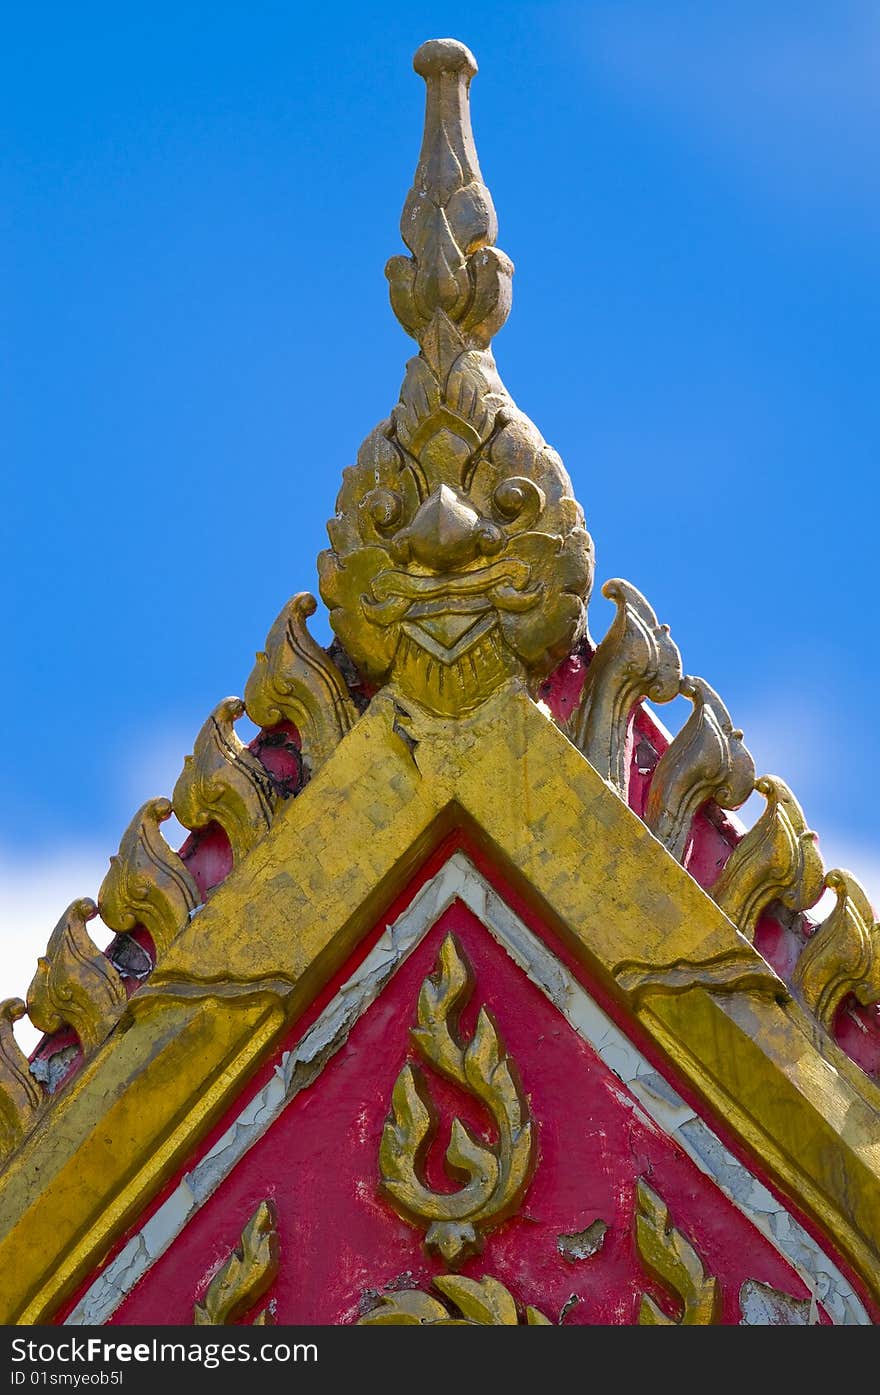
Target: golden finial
x: 459, y: 558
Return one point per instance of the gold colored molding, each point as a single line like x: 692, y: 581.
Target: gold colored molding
x: 148, y: 884
x: 498, y: 1175
x: 636, y: 659
x: 672, y: 1260
x: 295, y: 680
x: 223, y: 782
x: 706, y: 760
x: 777, y: 860
x: 481, y: 1303
x: 75, y: 984
x: 20, y: 1096
x: 227, y: 989
x: 841, y: 956
x: 459, y: 557
x: 246, y: 1275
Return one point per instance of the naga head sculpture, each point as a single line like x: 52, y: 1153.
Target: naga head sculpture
x: 459, y: 557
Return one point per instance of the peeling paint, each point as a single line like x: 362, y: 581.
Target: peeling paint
x: 582, y: 1244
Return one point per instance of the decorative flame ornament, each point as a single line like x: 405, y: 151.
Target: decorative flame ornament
x: 495, y: 1176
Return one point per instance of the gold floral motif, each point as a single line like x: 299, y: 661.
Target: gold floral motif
x: 777, y: 860
x: 706, y: 760
x: 672, y: 1260
x: 75, y: 984
x: 841, y: 956
x: 246, y: 1274
x: 148, y: 884
x: 295, y: 680
x: 20, y: 1095
x: 480, y: 1303
x: 458, y: 557
x: 223, y: 781
x: 636, y: 659
x: 497, y: 1175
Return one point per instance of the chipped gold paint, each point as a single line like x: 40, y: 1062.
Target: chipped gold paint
x: 636, y: 659
x: 295, y: 680
x: 222, y: 781
x: 776, y: 860
x: 246, y: 1275
x: 480, y: 1303
x: 495, y: 1176
x: 148, y: 884
x: 671, y: 1259
x: 333, y: 861
x: 75, y: 983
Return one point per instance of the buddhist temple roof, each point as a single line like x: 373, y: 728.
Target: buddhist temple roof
x: 463, y: 703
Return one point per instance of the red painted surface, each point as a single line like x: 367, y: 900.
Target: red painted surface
x: 339, y: 1238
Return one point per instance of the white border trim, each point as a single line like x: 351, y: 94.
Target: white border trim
x: 298, y: 1069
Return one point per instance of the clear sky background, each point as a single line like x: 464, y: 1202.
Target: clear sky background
x: 197, y: 205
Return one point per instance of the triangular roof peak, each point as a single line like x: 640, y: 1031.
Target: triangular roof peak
x: 462, y: 698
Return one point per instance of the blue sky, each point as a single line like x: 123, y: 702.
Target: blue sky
x: 197, y: 205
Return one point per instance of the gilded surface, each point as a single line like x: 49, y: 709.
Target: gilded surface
x: 294, y: 680
x: 777, y: 860
x: 706, y: 760
x: 458, y: 554
x: 636, y: 659
x: 147, y: 883
x: 223, y: 781
x: 246, y: 1275
x: 333, y: 861
x: 470, y: 1303
x: 671, y: 1259
x: 495, y: 1175
x: 75, y: 983
x: 20, y: 1095
x: 841, y: 955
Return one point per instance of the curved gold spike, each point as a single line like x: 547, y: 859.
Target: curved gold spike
x: 20, y: 1095
x: 706, y: 760
x: 673, y: 1261
x: 246, y: 1274
x: 841, y: 956
x: 223, y: 781
x: 148, y: 884
x: 777, y: 860
x: 75, y: 984
x: 295, y: 680
x: 636, y: 659
x: 459, y: 559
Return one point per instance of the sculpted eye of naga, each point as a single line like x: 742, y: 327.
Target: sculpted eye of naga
x: 459, y: 557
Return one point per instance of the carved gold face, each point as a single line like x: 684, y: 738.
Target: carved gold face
x: 459, y: 555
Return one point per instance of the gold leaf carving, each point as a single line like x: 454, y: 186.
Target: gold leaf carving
x: 459, y: 558
x: 480, y: 1302
x: 246, y: 1275
x: 841, y: 956
x: 148, y: 884
x: 636, y: 659
x: 673, y: 1261
x: 294, y: 680
x: 496, y: 1175
x: 777, y: 860
x: 75, y: 983
x: 706, y: 760
x: 223, y: 781
x: 20, y: 1095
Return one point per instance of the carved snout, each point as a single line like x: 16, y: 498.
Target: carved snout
x: 447, y: 533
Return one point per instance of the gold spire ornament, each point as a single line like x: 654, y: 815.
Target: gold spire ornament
x: 459, y: 558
